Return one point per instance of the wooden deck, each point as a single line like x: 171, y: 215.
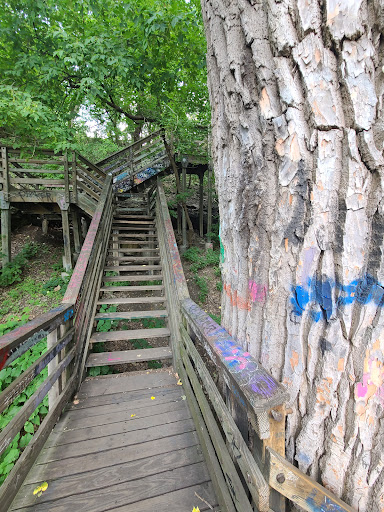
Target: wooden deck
x: 126, y: 443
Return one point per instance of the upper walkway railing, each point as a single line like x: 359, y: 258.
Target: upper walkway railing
x: 136, y: 162
x: 45, y: 176
x: 241, y: 420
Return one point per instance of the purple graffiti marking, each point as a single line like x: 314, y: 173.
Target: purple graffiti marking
x: 249, y: 376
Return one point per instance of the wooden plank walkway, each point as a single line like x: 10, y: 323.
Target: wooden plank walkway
x: 127, y: 443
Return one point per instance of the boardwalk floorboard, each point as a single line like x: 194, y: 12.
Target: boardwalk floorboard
x: 126, y: 442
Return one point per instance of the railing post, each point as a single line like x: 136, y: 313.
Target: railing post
x: 67, y: 258
x: 74, y: 177
x: 5, y: 210
x: 5, y: 166
x: 276, y: 441
x: 6, y: 232
x: 54, y: 392
x: 66, y: 178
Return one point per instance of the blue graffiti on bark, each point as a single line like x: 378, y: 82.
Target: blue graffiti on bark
x: 317, y: 293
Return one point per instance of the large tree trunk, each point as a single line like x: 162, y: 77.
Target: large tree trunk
x: 296, y: 91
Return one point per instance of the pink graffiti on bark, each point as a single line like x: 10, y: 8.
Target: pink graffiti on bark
x: 257, y: 292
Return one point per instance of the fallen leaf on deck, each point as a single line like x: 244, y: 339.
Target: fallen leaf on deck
x: 183, y: 397
x: 179, y: 383
x: 133, y: 415
x: 40, y: 489
x: 196, y: 509
x: 153, y: 398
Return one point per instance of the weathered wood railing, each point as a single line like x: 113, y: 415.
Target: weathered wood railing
x: 135, y: 158
x: 242, y: 426
x: 69, y: 173
x: 67, y: 329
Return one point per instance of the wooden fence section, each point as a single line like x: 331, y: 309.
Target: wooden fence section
x: 67, y: 330
x: 45, y: 176
x: 242, y: 419
x: 135, y: 158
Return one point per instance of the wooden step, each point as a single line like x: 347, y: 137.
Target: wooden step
x: 132, y: 268
x: 133, y: 288
x: 111, y: 260
x: 134, y: 258
x: 132, y: 315
x: 133, y: 242
x: 119, y: 279
x: 146, y: 223
x: 131, y: 334
x: 123, y: 236
x: 143, y: 217
x: 129, y: 210
x: 132, y: 300
x: 127, y: 259
x: 119, y: 227
x: 128, y: 356
x: 129, y: 249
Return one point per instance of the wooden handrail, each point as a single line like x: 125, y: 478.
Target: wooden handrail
x: 128, y: 148
x: 92, y: 166
x: 74, y: 286
x: 17, y: 342
x: 249, y: 380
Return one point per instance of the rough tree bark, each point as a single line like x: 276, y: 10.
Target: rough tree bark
x: 296, y: 89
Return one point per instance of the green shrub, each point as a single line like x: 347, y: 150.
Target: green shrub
x: 11, y: 273
x: 202, y: 283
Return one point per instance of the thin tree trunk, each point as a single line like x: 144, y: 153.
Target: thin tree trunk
x: 296, y: 90
x: 178, y: 188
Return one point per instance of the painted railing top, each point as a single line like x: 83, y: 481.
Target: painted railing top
x: 76, y: 281
x: 133, y: 145
x: 18, y: 341
x: 250, y: 379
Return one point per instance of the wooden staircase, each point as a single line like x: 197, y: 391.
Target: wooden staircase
x: 131, y: 301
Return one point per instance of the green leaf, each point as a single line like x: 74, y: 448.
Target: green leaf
x: 28, y: 427
x: 25, y: 439
x: 11, y: 456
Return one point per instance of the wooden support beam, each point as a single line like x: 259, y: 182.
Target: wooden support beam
x: 201, y: 205
x: 45, y: 225
x: 184, y: 246
x: 209, y: 209
x: 5, y: 176
x: 6, y: 233
x: 300, y: 488
x: 67, y: 258
x: 76, y: 230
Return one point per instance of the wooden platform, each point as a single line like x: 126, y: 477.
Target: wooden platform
x: 127, y: 443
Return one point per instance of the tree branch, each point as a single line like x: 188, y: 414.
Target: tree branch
x: 133, y: 117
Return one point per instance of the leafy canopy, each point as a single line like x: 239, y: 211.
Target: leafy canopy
x: 137, y: 61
